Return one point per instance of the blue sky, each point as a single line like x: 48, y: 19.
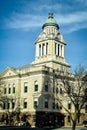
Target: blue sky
x: 21, y: 22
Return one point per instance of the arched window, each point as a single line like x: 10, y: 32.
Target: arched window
x: 25, y: 103
x: 25, y: 87
x: 46, y: 86
x: 36, y: 86
x: 35, y: 103
x: 13, y: 88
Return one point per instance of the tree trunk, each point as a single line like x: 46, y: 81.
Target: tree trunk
x: 74, y: 125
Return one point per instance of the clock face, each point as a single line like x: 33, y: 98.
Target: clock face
x: 51, y: 35
x: 43, y: 36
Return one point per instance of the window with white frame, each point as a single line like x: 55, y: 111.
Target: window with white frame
x: 13, y: 88
x: 13, y: 104
x: 8, y: 105
x: 25, y: 103
x: 9, y: 90
x: 25, y: 87
x: 35, y: 103
x: 4, y: 106
x: 36, y: 86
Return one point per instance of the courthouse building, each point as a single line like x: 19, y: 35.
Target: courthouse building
x: 30, y: 90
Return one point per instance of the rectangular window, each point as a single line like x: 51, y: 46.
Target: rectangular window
x: 69, y: 105
x: 35, y: 104
x: 36, y: 87
x: 68, y: 119
x: 4, y: 106
x: 46, y: 103
x: 8, y: 105
x: 9, y: 90
x: 13, y: 105
x: 13, y: 89
x: 25, y: 104
x: 25, y: 87
x: 46, y: 87
x: 5, y: 90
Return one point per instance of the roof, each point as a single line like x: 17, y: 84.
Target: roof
x: 50, y: 21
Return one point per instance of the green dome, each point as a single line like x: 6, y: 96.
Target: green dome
x: 50, y: 21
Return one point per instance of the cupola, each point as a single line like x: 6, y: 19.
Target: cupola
x: 50, y: 21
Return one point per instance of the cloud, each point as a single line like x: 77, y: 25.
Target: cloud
x: 24, y: 21
x: 75, y: 17
x: 34, y: 15
x: 73, y: 21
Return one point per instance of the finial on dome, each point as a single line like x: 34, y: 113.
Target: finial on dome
x: 50, y: 15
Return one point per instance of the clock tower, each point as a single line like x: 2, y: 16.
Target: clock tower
x: 50, y: 46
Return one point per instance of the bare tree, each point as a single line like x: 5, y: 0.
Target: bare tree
x: 1, y: 93
x: 74, y: 91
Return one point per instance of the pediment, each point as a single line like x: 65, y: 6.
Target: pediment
x: 9, y: 72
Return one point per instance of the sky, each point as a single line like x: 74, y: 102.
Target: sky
x: 21, y: 22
